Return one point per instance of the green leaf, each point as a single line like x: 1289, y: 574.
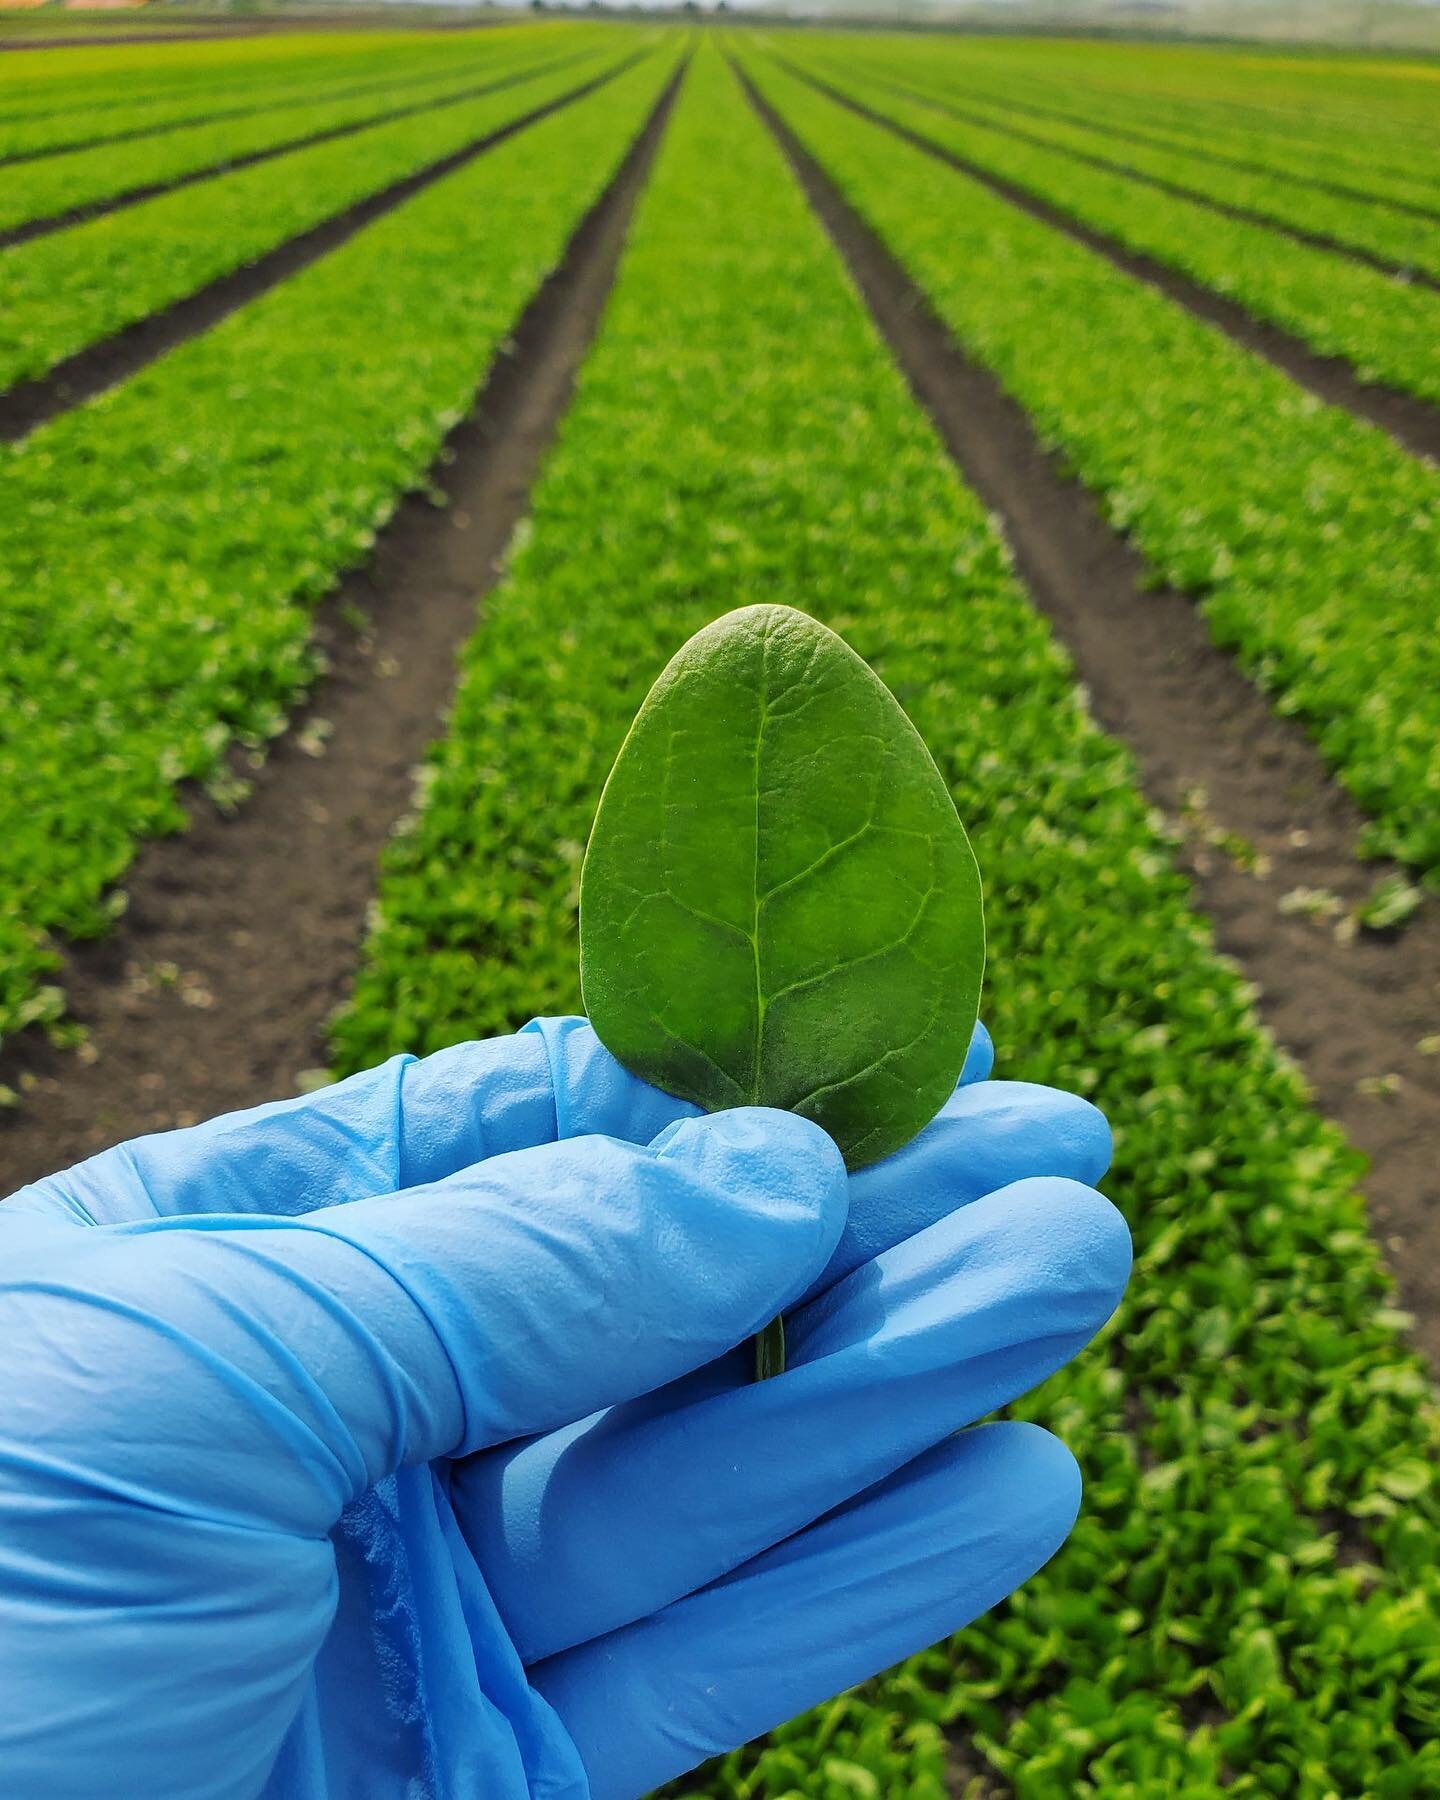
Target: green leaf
x: 1406, y: 1480
x: 1389, y: 903
x: 779, y: 905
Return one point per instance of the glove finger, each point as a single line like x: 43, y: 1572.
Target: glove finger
x: 930, y: 1337
x: 594, y: 1093
x: 328, y: 1351
x: 904, y: 1564
x: 985, y: 1137
x: 979, y: 1058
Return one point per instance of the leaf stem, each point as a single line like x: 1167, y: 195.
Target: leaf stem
x: 770, y: 1350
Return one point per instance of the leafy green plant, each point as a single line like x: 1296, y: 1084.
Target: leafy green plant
x: 1366, y: 224
x: 779, y: 905
x: 1317, y: 127
x: 46, y: 186
x: 64, y: 292
x: 1384, y: 327
x: 91, y: 97
x: 1389, y: 904
x: 1314, y: 903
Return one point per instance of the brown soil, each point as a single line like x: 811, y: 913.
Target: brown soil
x: 91, y: 371
x: 1349, y: 1012
x: 1412, y: 422
x: 1246, y: 215
x: 967, y: 1777
x: 98, y: 209
x: 243, y: 934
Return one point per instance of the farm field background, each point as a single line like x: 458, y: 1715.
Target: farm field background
x: 381, y: 400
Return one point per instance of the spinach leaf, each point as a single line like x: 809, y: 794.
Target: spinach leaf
x: 779, y: 905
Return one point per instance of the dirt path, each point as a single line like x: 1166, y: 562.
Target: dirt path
x: 1245, y: 215
x: 1349, y: 1013
x: 115, y: 359
x: 99, y: 209
x: 242, y: 935
x: 1412, y: 422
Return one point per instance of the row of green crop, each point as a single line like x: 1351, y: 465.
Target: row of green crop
x: 62, y: 293
x: 62, y: 184
x: 1383, y: 132
x: 1312, y: 540
x: 1402, y: 239
x: 1387, y: 330
x: 739, y: 433
x: 1336, y: 165
x: 1293, y: 92
x: 160, y: 548
x: 65, y: 78
x: 58, y: 80
x: 94, y: 109
x: 84, y: 109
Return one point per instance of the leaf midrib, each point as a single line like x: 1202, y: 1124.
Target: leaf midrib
x: 761, y: 1005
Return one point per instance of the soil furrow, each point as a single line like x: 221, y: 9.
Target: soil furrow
x: 241, y: 936
x: 98, y: 209
x: 1413, y: 423
x: 104, y: 365
x: 1352, y: 1013
x: 1244, y: 215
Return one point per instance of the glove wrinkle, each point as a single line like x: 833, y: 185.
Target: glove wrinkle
x: 450, y: 1715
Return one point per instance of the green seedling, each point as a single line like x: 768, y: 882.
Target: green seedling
x: 1389, y: 904
x: 779, y: 905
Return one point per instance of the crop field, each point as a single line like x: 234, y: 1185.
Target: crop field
x: 381, y: 410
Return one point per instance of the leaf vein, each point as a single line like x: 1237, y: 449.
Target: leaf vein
x: 856, y: 962
x: 704, y: 1055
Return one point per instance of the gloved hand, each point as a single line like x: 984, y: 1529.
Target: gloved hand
x: 294, y: 1499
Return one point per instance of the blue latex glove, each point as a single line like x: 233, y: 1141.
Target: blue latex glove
x: 293, y: 1499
